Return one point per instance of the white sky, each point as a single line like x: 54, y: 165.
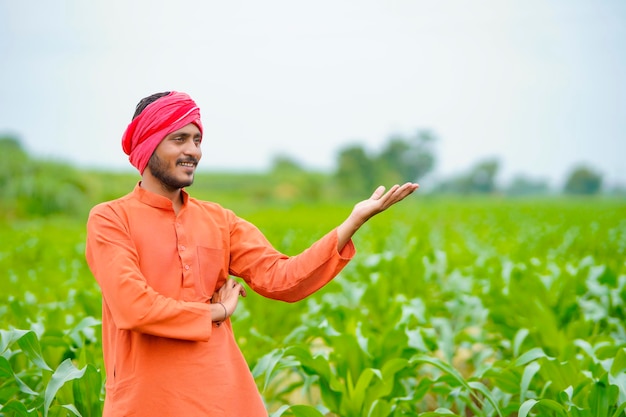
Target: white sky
x: 538, y: 84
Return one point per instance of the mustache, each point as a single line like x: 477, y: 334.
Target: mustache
x: 188, y: 160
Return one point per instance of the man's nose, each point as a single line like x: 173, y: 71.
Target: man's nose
x: 192, y: 148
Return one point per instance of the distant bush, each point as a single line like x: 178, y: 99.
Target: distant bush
x: 583, y: 181
x: 30, y: 187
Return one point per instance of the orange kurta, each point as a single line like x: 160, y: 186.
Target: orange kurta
x: 157, y: 272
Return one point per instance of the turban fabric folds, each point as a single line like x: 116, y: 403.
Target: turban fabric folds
x: 160, y: 118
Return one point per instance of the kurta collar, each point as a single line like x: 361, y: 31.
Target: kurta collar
x: 156, y: 200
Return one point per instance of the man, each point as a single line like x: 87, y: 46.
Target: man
x: 163, y: 261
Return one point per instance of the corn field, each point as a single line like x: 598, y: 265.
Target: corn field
x: 460, y: 307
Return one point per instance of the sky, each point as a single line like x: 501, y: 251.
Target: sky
x: 539, y: 85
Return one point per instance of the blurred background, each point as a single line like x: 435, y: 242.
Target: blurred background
x: 516, y: 98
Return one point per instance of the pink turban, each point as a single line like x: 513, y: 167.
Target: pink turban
x: 160, y: 118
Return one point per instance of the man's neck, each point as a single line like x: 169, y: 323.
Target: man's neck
x: 153, y: 185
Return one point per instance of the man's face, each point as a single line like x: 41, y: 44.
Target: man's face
x: 174, y: 161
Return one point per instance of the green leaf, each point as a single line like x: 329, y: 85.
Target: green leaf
x: 280, y: 411
x: 599, y: 398
x: 267, y: 365
x: 439, y: 413
x: 385, y: 385
x: 332, y: 390
x: 526, y: 407
x: 7, y: 371
x: 506, y: 379
x: 393, y: 366
x: 78, y: 332
x: 547, y: 403
x: 87, y: 393
x: 305, y: 411
x: 358, y: 394
x: 31, y: 348
x: 587, y: 348
x: 619, y: 362
x: 297, y: 411
x: 18, y: 409
x: 64, y: 373
x: 531, y: 355
x: 380, y: 408
x: 5, y: 368
x: 565, y: 397
x: 422, y: 388
x: 452, y: 373
x: 529, y: 372
x: 480, y: 387
x: 619, y: 382
x: 554, y: 406
x: 441, y: 366
x: 71, y: 408
x: 619, y: 410
x: 520, y: 336
x: 317, y: 365
x: 8, y: 337
x: 562, y: 374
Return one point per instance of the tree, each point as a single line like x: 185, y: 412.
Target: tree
x: 292, y: 181
x: 285, y: 166
x: 409, y: 158
x: 583, y: 180
x: 355, y: 171
x: 481, y: 179
x: 524, y: 186
x: 483, y: 176
x: 32, y: 187
x: 14, y: 162
x: 401, y: 160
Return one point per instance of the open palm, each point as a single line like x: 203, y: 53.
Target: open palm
x: 381, y: 201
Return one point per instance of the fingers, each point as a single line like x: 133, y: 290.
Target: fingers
x: 235, y: 287
x: 407, y: 189
x: 378, y: 192
x: 404, y: 191
x: 396, y: 193
x: 384, y: 200
x: 239, y: 287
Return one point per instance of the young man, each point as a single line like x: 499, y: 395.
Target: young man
x: 163, y: 261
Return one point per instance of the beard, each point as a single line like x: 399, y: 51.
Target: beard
x: 159, y: 170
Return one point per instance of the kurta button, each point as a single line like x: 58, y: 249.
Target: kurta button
x: 186, y: 266
x: 182, y: 247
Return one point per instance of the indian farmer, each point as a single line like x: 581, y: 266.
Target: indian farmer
x: 163, y: 261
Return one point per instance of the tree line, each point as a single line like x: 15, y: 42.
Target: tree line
x: 31, y: 186
x: 413, y: 158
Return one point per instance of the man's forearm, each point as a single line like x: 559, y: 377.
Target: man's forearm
x: 346, y: 230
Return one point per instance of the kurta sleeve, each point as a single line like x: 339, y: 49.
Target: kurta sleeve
x: 134, y: 305
x: 281, y: 277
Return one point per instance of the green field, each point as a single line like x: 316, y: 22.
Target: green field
x: 460, y: 306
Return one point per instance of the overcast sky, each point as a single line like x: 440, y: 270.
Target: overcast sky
x: 538, y: 84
